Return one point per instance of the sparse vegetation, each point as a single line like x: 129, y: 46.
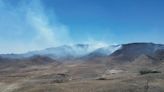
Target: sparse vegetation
x: 143, y: 72
x: 102, y: 78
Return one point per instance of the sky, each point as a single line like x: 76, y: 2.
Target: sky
x: 27, y: 25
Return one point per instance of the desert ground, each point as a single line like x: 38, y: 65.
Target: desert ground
x: 80, y: 77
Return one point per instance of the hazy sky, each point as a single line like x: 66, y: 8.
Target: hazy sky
x: 27, y: 25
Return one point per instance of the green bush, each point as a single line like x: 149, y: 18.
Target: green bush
x: 102, y: 78
x: 143, y: 72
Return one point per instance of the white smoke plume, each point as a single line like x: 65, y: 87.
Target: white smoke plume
x: 31, y: 25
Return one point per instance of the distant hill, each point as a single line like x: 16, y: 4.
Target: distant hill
x: 66, y: 52
x: 25, y: 62
x: 90, y: 53
x: 129, y: 52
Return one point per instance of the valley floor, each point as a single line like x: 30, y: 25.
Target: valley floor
x: 77, y: 78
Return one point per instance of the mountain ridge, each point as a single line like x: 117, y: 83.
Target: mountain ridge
x: 66, y: 51
x: 124, y: 53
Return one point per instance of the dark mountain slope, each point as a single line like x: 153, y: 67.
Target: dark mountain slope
x: 129, y: 52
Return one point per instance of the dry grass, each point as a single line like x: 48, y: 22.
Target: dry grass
x: 42, y: 79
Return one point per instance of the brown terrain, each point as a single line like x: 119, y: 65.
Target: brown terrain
x: 133, y: 68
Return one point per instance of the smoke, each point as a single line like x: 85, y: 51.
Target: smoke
x: 50, y: 31
x: 28, y: 25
